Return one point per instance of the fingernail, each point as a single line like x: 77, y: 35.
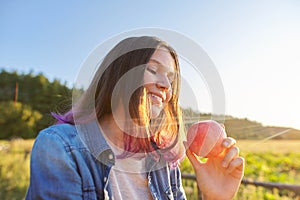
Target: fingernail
x: 226, y: 143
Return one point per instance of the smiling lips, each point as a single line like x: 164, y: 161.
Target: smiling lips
x: 157, y: 99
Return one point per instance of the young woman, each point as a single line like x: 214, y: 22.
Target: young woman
x: 123, y: 138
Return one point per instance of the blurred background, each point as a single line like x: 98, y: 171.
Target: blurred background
x: 254, y: 46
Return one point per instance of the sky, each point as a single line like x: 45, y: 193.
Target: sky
x: 254, y: 45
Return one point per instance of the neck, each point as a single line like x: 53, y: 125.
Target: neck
x: 112, y: 131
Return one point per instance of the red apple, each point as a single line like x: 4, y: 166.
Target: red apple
x: 205, y: 138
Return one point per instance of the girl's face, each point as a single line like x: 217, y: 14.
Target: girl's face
x: 158, y: 77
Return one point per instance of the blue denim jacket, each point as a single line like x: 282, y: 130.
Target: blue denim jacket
x: 73, y: 162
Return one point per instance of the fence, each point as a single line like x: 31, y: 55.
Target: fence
x: 288, y: 190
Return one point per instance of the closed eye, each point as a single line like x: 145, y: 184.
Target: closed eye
x: 151, y: 70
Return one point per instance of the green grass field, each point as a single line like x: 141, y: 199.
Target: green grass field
x: 14, y: 168
x: 266, y: 161
x: 269, y: 161
x: 270, y: 146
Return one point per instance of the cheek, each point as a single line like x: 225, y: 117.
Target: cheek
x: 168, y: 95
x: 148, y: 78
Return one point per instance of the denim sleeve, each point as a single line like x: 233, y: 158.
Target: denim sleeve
x: 53, y: 172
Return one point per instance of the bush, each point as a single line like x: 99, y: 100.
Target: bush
x: 17, y: 120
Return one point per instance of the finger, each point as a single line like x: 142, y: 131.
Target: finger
x: 236, y: 164
x: 193, y: 159
x: 231, y: 154
x: 191, y: 155
x: 228, y: 142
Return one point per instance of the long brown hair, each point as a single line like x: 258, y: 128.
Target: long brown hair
x: 98, y: 100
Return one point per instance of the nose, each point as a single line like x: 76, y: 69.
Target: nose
x: 163, y: 83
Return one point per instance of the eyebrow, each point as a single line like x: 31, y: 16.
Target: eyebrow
x: 160, y: 64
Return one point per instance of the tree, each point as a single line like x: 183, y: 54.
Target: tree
x: 17, y: 120
x: 37, y: 92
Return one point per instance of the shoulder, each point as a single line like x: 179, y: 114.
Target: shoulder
x: 60, y: 130
x: 64, y: 135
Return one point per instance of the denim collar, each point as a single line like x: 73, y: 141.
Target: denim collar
x: 93, y: 139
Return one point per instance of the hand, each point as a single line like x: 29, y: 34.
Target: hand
x: 219, y: 177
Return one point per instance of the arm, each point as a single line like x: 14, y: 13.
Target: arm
x: 53, y: 172
x: 219, y: 177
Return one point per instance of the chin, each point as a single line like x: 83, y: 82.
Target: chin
x: 155, y: 111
